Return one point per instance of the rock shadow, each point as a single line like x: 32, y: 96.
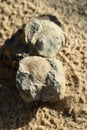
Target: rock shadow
x: 14, y: 112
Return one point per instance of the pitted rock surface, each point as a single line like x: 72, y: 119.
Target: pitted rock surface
x: 40, y: 79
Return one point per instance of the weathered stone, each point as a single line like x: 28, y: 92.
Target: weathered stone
x: 46, y: 36
x: 42, y: 34
x: 40, y: 79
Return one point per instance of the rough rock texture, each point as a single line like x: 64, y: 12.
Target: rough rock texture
x: 40, y: 79
x: 41, y: 35
x: 70, y: 114
x: 46, y: 36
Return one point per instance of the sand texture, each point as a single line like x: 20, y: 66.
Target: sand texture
x: 70, y: 113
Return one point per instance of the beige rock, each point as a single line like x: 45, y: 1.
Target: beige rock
x: 40, y: 79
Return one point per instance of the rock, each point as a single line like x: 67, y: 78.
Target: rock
x: 40, y: 36
x: 40, y: 79
x: 45, y: 35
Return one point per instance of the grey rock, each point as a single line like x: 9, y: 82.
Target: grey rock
x: 41, y: 35
x: 40, y: 79
x: 45, y: 35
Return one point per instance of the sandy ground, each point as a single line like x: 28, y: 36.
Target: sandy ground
x: 69, y: 114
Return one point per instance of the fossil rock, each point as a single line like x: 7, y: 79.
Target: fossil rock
x: 40, y: 79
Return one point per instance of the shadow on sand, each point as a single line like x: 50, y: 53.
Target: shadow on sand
x: 14, y: 112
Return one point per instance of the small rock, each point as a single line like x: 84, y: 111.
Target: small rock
x: 46, y: 36
x: 40, y: 79
x: 41, y: 35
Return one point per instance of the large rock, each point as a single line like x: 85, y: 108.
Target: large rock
x: 45, y: 35
x: 41, y: 35
x: 40, y: 79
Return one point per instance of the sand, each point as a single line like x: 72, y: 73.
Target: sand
x: 70, y: 113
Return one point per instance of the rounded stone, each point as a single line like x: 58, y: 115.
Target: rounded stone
x: 45, y: 35
x: 40, y: 79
